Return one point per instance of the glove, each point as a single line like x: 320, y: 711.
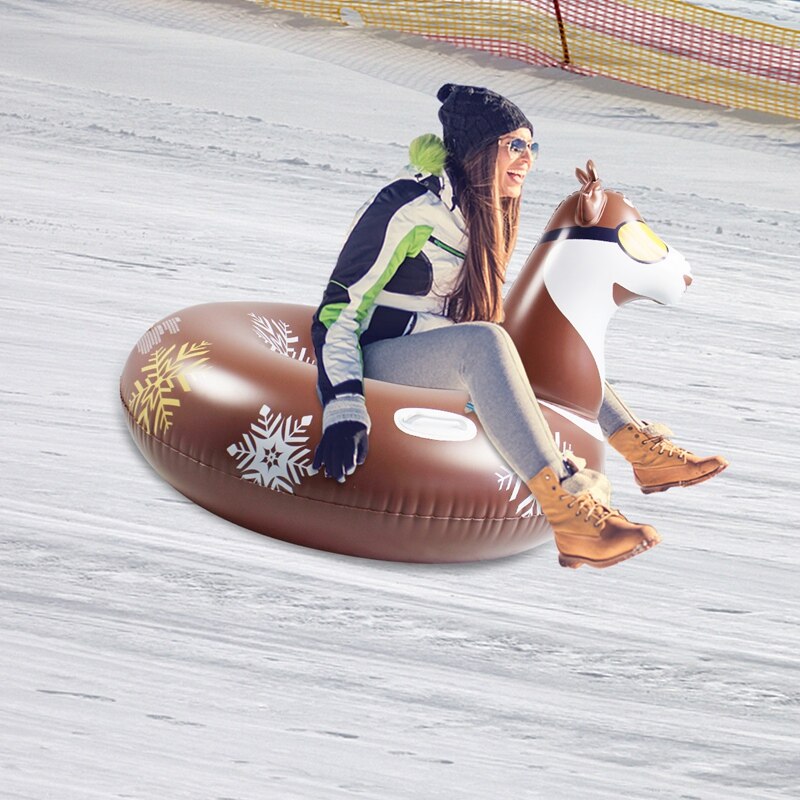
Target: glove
x: 343, y: 446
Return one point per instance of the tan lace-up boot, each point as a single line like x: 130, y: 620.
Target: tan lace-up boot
x: 586, y: 530
x: 657, y: 463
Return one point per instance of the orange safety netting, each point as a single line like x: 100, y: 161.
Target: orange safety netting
x: 667, y: 45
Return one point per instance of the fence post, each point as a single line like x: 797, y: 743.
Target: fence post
x: 562, y: 33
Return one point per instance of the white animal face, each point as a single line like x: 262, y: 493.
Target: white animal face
x: 652, y: 269
x: 630, y: 255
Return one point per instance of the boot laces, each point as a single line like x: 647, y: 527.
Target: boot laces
x: 665, y: 446
x: 593, y: 509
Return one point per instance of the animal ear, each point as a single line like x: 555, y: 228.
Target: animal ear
x: 591, y: 197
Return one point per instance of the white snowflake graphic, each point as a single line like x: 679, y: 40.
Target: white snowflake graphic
x: 154, y: 334
x: 508, y: 481
x: 277, y: 335
x: 273, y: 453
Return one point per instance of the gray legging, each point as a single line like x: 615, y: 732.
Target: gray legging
x: 482, y: 359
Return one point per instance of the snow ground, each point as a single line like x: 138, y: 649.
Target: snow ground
x: 785, y: 13
x: 159, y: 154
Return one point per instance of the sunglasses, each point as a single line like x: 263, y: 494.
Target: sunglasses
x: 635, y: 237
x: 517, y: 146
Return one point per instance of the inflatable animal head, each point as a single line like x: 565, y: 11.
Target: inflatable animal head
x: 602, y: 238
x: 596, y: 254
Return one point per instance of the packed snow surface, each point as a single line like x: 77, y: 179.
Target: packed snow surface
x: 785, y: 13
x: 155, y: 155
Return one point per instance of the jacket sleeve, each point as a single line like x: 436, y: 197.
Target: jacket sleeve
x: 387, y: 231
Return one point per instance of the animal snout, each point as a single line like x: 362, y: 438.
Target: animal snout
x: 687, y: 279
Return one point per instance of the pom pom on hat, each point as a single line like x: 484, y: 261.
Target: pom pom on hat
x: 472, y: 117
x: 427, y: 154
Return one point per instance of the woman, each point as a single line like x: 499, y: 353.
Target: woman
x: 415, y: 298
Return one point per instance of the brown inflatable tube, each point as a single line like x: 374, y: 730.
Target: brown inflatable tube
x: 221, y: 400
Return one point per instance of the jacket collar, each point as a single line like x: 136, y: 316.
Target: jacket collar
x: 448, y: 197
x: 447, y: 192
x: 442, y: 187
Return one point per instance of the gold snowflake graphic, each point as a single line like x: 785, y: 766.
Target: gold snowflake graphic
x: 152, y: 403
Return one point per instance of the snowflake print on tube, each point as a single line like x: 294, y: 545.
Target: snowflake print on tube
x: 153, y: 402
x: 277, y: 335
x: 242, y: 445
x: 274, y: 453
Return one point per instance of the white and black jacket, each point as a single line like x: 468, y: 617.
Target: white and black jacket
x: 401, y: 260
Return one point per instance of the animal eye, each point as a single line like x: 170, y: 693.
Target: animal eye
x: 640, y: 243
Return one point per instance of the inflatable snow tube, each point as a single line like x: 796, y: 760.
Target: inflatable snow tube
x: 221, y: 400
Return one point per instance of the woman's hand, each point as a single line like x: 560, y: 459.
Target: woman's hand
x: 343, y: 447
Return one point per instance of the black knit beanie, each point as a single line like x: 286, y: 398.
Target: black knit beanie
x: 472, y: 117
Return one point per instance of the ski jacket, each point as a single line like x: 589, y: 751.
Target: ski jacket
x: 399, y: 264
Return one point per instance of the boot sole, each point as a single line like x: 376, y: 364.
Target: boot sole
x: 573, y: 562
x: 662, y: 487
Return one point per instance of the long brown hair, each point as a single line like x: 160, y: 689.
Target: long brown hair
x: 492, y: 224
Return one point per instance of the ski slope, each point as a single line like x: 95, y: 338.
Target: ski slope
x: 155, y: 155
